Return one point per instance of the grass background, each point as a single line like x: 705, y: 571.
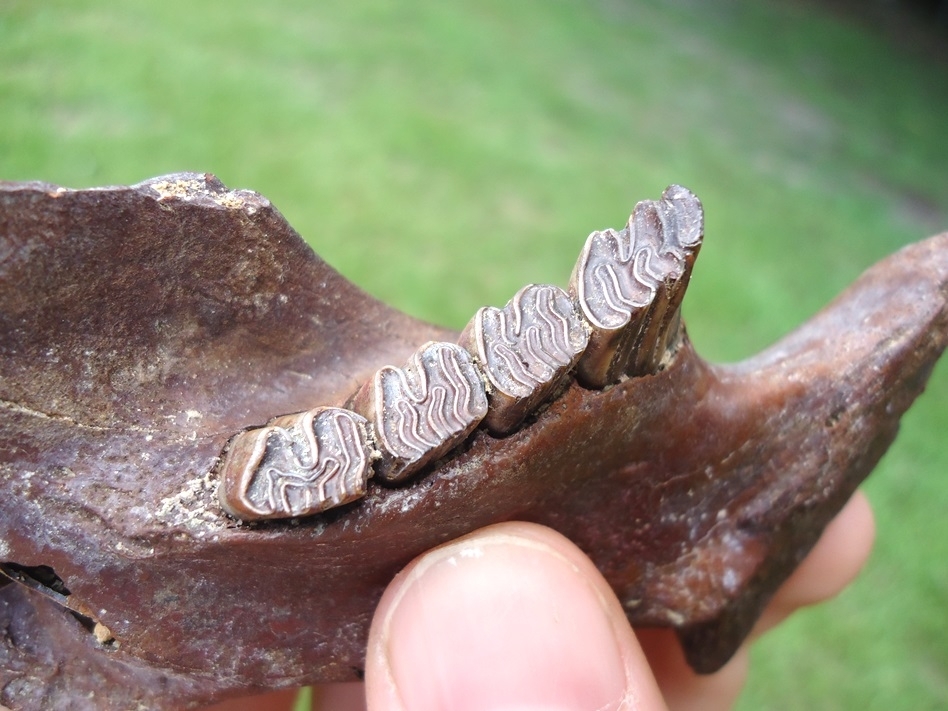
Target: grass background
x: 442, y: 154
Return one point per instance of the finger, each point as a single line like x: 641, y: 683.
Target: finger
x: 683, y: 689
x: 834, y: 563
x: 511, y: 617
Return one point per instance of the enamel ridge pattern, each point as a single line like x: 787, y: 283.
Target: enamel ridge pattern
x: 525, y: 349
x: 619, y: 318
x: 629, y: 284
x: 423, y: 409
x: 297, y: 465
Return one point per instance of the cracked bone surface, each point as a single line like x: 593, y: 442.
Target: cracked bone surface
x: 695, y: 490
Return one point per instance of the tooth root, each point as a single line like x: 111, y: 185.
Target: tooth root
x: 422, y: 410
x: 298, y: 465
x: 525, y: 350
x: 629, y: 285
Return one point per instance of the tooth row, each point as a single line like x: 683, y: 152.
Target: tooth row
x: 618, y: 319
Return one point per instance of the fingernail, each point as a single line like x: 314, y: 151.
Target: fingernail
x: 499, y: 622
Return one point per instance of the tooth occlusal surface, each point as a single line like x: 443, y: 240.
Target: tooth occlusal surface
x: 619, y: 318
x: 422, y: 410
x: 298, y: 465
x: 629, y: 285
x: 525, y: 350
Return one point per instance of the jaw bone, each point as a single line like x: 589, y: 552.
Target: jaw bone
x: 143, y: 326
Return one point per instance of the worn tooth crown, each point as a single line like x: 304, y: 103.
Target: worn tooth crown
x: 525, y: 349
x: 629, y: 285
x: 524, y: 344
x: 424, y: 409
x: 685, y: 216
x: 298, y: 465
x: 620, y: 317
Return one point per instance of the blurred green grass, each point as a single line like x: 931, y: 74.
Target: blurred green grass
x: 443, y: 154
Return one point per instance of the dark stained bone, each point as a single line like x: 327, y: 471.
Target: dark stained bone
x: 298, y: 465
x: 695, y: 490
x: 525, y: 350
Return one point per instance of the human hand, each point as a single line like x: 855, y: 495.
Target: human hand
x: 514, y: 616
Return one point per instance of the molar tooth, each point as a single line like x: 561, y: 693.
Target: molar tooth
x: 297, y: 465
x: 422, y: 410
x: 629, y: 285
x: 682, y: 229
x: 525, y: 350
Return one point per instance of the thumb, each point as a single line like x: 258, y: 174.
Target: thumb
x: 511, y: 617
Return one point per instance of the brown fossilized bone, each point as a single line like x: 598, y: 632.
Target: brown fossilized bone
x: 141, y: 328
